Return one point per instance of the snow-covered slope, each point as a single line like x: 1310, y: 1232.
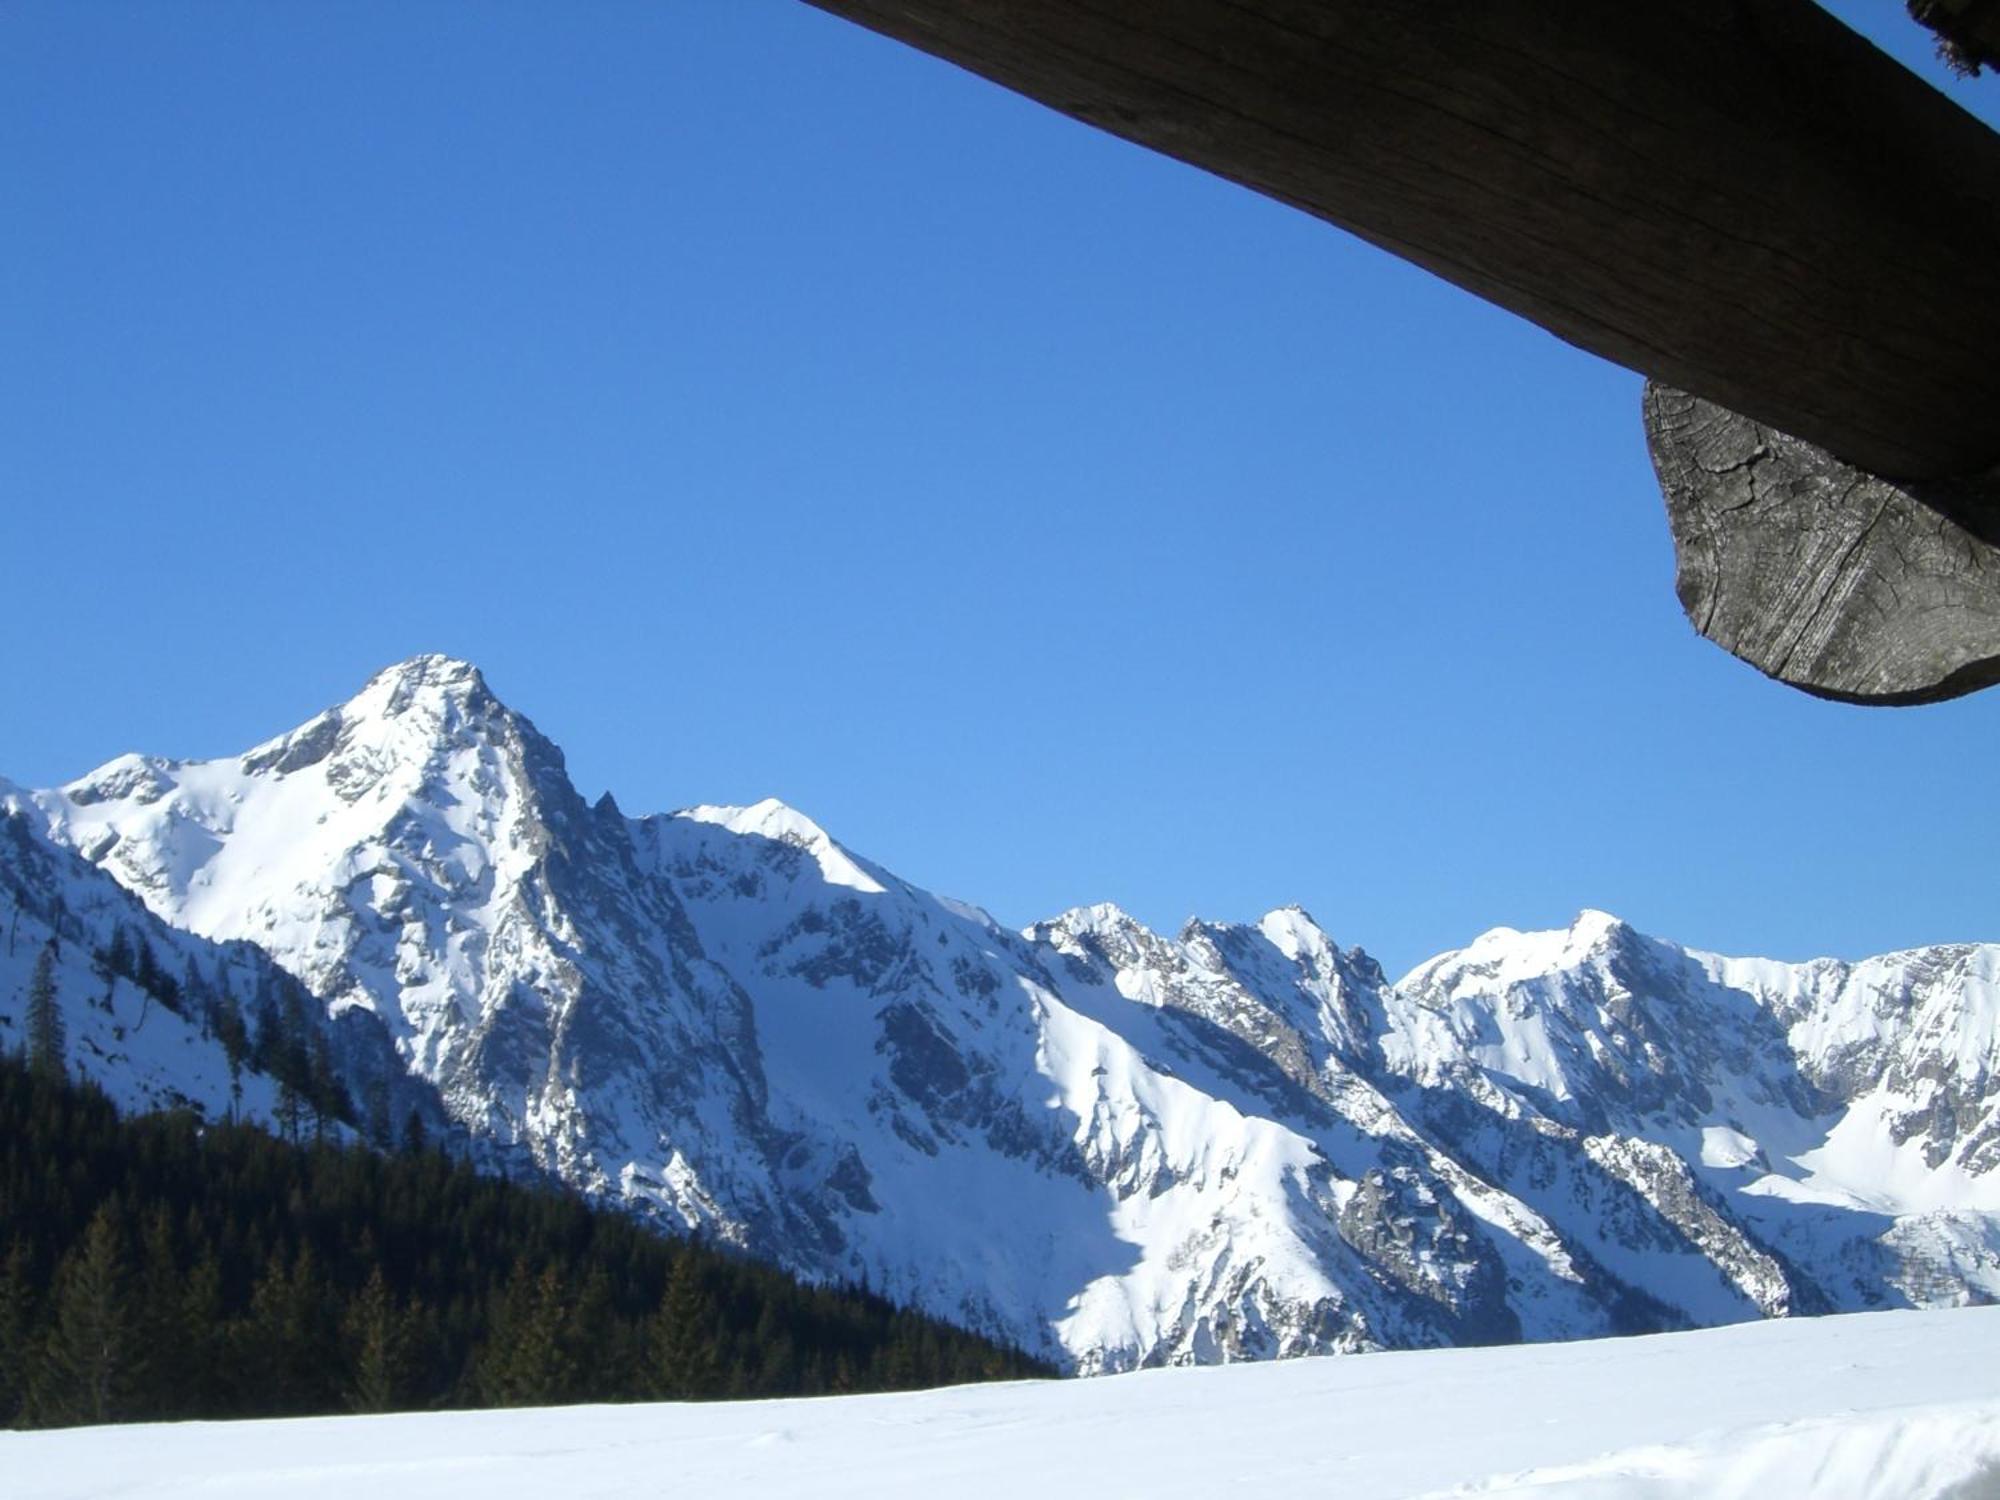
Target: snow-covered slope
x: 1888, y: 1406
x: 147, y: 1031
x: 1112, y: 1146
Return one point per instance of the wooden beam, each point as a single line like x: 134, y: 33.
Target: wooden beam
x: 1739, y: 198
x: 1825, y: 578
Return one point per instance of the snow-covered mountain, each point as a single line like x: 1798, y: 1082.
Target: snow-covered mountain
x: 1112, y: 1146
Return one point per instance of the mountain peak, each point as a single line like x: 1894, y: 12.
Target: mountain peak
x: 394, y: 688
x: 139, y: 777
x: 433, y: 696
x: 430, y: 700
x: 1591, y: 922
x: 784, y: 824
x: 1294, y: 933
x: 769, y: 817
x: 1593, y: 930
x: 1099, y: 919
x: 1511, y: 952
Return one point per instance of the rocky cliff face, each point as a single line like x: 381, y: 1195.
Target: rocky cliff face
x: 1112, y: 1146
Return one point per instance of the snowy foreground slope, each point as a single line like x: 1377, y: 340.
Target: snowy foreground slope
x: 1882, y: 1406
x: 1112, y: 1146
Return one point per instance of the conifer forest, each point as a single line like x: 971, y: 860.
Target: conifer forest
x: 165, y: 1267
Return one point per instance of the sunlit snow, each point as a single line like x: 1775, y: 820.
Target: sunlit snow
x: 1882, y: 1406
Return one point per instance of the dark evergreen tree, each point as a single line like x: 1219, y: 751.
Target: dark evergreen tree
x: 204, y: 1389
x: 268, y: 1039
x: 172, y: 1319
x: 527, y: 1360
x: 326, y: 1095
x: 45, y: 1022
x: 196, y: 1000
x: 234, y: 1034
x: 605, y: 1359
x: 378, y: 1130
x: 92, y: 1359
x: 685, y: 1366
x: 288, y: 1337
x: 378, y: 1349
x: 902, y: 1360
x: 290, y: 1109
x: 17, y: 1329
x: 118, y: 954
x: 146, y: 968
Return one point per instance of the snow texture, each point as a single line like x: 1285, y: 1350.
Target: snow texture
x: 1884, y: 1406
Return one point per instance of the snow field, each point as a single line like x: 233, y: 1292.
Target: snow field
x: 1878, y: 1406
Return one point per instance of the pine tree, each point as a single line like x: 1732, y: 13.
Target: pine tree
x: 118, y: 956
x: 195, y: 1000
x: 202, y: 1335
x: 146, y: 968
x: 234, y: 1034
x: 267, y: 1040
x: 603, y: 1362
x: 900, y: 1361
x: 685, y: 1366
x: 92, y: 1359
x: 380, y: 1132
x: 17, y: 1330
x: 325, y: 1093
x: 291, y: 1106
x: 379, y: 1341
x: 287, y: 1337
x: 45, y: 1022
x: 159, y: 1318
x: 526, y: 1360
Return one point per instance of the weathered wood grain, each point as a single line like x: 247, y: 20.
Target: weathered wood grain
x: 1740, y: 198
x: 1817, y: 574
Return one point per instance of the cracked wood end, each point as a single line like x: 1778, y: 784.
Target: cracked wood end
x: 1831, y: 580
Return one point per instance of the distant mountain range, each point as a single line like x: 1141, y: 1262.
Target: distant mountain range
x: 1110, y: 1146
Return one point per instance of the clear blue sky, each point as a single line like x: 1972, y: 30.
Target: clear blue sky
x: 770, y: 410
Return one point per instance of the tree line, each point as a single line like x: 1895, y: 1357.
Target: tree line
x: 164, y: 1267
x: 277, y: 1036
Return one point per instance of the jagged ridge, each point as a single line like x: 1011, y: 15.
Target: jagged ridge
x: 1107, y: 1145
